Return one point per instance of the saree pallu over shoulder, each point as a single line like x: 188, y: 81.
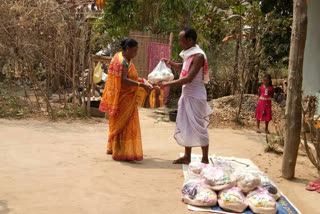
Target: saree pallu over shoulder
x: 110, y: 98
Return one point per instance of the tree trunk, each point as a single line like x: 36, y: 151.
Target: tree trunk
x: 74, y: 105
x: 293, y: 111
x: 235, y: 69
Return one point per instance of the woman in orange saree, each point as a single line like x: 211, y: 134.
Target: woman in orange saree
x: 120, y: 103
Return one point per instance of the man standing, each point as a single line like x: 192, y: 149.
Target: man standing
x: 193, y: 109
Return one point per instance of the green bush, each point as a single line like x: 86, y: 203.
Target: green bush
x: 13, y: 107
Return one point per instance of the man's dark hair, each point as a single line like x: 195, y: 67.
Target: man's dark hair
x: 189, y: 32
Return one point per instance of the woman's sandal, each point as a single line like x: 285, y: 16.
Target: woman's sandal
x: 314, y: 183
x: 313, y: 187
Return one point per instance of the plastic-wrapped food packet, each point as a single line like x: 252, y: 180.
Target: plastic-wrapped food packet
x: 233, y: 200
x: 260, y: 201
x: 218, y: 178
x: 197, y: 193
x: 248, y: 180
x: 160, y: 73
x: 270, y: 186
x: 222, y: 163
x: 195, y: 168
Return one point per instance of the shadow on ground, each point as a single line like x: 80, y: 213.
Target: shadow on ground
x: 4, y: 207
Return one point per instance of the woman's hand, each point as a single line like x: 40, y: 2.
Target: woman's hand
x: 146, y: 86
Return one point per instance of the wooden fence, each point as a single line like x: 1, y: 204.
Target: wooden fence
x: 143, y: 38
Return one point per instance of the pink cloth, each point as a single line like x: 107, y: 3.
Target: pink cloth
x: 263, y: 110
x: 188, y: 56
x: 156, y: 52
x: 193, y: 114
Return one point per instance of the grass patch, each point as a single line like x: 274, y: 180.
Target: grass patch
x: 13, y: 107
x: 68, y: 111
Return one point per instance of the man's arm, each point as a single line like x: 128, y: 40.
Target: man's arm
x: 197, y: 64
x: 175, y: 65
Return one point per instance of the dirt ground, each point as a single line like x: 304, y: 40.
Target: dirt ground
x: 62, y: 168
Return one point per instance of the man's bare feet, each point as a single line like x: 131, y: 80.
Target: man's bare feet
x: 205, y: 160
x: 182, y: 160
x: 258, y: 131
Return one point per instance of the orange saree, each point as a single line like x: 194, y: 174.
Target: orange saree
x: 120, y: 102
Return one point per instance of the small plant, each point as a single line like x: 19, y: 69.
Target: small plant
x: 274, y: 143
x: 311, y: 131
x: 67, y: 112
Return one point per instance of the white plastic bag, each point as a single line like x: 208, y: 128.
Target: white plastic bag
x: 248, y: 180
x: 195, y: 169
x: 260, y: 201
x: 161, y: 73
x: 270, y: 186
x: 104, y: 77
x: 197, y: 193
x: 232, y: 200
x: 218, y: 178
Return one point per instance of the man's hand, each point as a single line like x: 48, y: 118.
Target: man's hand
x: 163, y: 84
x: 167, y: 61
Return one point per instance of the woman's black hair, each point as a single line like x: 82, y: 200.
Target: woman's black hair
x: 191, y: 33
x: 128, y: 42
x: 268, y: 76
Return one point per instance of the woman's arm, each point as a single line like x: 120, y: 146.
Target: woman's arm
x: 127, y: 81
x: 197, y: 64
x: 259, y: 91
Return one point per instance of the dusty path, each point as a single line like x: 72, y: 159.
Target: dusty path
x: 62, y: 168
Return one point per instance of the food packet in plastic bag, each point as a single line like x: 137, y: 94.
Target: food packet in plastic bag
x: 218, y: 178
x: 233, y: 200
x: 195, y: 169
x: 260, y: 201
x: 270, y: 186
x: 161, y: 73
x: 222, y: 163
x: 248, y: 180
x: 197, y: 193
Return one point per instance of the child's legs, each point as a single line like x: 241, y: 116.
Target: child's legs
x: 258, y: 124
x: 267, y: 125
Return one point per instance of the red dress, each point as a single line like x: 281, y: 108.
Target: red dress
x: 263, y: 110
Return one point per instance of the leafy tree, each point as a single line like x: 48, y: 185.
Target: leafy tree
x: 276, y: 42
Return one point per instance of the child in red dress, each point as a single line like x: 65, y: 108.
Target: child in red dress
x: 263, y: 110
